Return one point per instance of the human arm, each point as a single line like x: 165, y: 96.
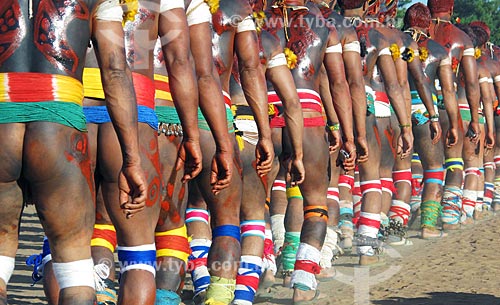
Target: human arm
x: 121, y: 104
x: 334, y: 136
x: 487, y: 101
x: 339, y: 90
x: 425, y: 94
x: 353, y: 70
x: 282, y: 80
x: 469, y: 70
x: 212, y: 105
x: 254, y: 88
x: 387, y: 69
x: 445, y: 74
x: 183, y: 88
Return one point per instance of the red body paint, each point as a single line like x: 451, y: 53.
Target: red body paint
x: 50, y: 26
x: 12, y: 31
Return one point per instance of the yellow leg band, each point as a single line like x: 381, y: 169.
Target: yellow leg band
x: 293, y: 192
x: 182, y: 231
x: 220, y: 291
x: 100, y: 242
x: 183, y: 256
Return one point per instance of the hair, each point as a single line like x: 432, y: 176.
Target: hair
x: 481, y: 35
x: 440, y: 6
x: 351, y: 4
x: 482, y: 25
x: 468, y: 30
x: 417, y: 15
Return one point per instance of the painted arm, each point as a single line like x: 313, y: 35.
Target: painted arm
x: 122, y: 108
x: 487, y: 101
x: 255, y: 90
x: 394, y: 92
x: 424, y: 92
x: 445, y: 74
x: 353, y: 70
x: 212, y: 105
x: 469, y: 69
x: 282, y: 80
x: 339, y: 90
x: 183, y: 88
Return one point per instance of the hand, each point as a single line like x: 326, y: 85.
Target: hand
x: 489, y: 142
x: 451, y: 137
x: 264, y: 154
x: 361, y: 149
x: 296, y: 172
x: 222, y: 170
x: 132, y: 189
x: 334, y: 138
x: 473, y: 132
x: 189, y: 157
x: 405, y: 142
x: 349, y: 160
x: 436, y: 131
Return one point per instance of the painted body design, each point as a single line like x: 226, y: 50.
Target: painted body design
x: 12, y: 31
x: 305, y: 41
x: 136, y: 37
x: 50, y: 36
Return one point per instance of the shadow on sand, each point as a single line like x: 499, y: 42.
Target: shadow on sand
x: 443, y: 298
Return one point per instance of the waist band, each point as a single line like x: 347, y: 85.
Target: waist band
x: 92, y: 83
x: 381, y: 97
x: 162, y: 88
x: 26, y: 87
x: 144, y: 90
x: 309, y: 99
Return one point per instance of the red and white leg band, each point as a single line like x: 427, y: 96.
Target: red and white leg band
x: 472, y: 171
x: 370, y: 186
x: 194, y: 214
x: 279, y: 186
x: 346, y: 181
x: 268, y: 257
x: 387, y: 186
x: 333, y: 194
x: 496, y: 159
x: 469, y: 199
x: 402, y: 176
x: 306, y: 267
x: 489, y: 165
x: 369, y: 224
x: 400, y: 211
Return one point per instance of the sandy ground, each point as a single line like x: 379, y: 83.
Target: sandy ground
x: 463, y: 268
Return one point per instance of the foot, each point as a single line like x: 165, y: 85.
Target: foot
x: 287, y: 281
x: 468, y: 221
x: 429, y: 233
x: 451, y: 227
x: 326, y: 274
x: 267, y: 279
x: 303, y: 296
x: 395, y: 240
x: 478, y: 215
x: 346, y: 244
x: 200, y: 298
x: 371, y: 261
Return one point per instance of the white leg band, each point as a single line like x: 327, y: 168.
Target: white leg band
x: 6, y: 267
x: 74, y: 274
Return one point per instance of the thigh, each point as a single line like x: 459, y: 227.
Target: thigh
x: 173, y: 199
x: 316, y: 156
x: 430, y: 155
x: 56, y: 164
x: 139, y: 229
x: 254, y: 187
x: 225, y: 206
x: 11, y: 202
x: 369, y: 170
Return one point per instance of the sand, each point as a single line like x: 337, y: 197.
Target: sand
x: 463, y: 268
